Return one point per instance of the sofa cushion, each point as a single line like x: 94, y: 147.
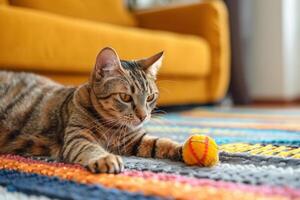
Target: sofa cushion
x: 110, y: 11
x: 34, y: 40
x: 3, y: 2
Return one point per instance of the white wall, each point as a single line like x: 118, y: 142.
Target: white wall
x: 291, y: 41
x: 271, y: 47
x: 144, y: 4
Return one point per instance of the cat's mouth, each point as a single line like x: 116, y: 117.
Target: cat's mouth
x: 140, y: 124
x: 134, y: 124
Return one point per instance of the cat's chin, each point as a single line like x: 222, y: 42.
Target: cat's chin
x: 135, y: 126
x: 138, y: 126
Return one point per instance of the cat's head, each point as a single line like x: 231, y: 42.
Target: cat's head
x: 124, y: 92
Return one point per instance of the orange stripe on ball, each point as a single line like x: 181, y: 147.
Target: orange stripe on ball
x: 205, y: 150
x: 199, y: 161
x: 194, y: 153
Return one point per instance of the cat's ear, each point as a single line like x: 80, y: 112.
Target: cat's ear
x: 151, y: 64
x: 107, y: 62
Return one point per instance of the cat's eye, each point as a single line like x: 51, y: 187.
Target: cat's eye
x: 125, y: 97
x: 150, y: 97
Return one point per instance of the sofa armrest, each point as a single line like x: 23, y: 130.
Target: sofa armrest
x: 207, y: 19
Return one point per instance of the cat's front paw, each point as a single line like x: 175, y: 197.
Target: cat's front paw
x: 176, y: 155
x: 109, y: 163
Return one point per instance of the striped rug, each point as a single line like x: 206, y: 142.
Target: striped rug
x: 259, y: 153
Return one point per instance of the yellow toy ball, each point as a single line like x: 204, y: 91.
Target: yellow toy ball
x: 200, y: 150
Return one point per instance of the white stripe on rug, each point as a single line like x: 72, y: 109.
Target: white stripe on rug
x: 6, y: 195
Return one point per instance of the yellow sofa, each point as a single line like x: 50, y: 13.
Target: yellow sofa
x: 60, y: 39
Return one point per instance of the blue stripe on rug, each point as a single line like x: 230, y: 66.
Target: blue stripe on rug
x: 53, y: 187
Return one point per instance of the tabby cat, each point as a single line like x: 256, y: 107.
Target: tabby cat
x: 91, y: 124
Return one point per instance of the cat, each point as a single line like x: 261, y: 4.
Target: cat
x: 92, y: 124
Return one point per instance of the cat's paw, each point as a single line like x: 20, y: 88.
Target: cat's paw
x: 109, y: 163
x: 176, y: 155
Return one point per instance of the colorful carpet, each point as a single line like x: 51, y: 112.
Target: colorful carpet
x: 259, y: 154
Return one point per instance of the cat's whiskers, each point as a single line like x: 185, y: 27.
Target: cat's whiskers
x: 112, y: 136
x: 157, y: 110
x: 163, y: 89
x: 166, y: 82
x: 113, y: 123
x: 121, y: 137
x: 112, y: 126
x: 100, y: 128
x: 161, y: 120
x: 123, y: 134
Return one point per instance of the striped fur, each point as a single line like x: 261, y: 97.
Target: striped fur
x: 91, y: 124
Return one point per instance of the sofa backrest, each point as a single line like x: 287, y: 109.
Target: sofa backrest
x: 3, y: 2
x: 109, y: 11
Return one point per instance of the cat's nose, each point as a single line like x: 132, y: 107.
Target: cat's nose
x: 141, y: 115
